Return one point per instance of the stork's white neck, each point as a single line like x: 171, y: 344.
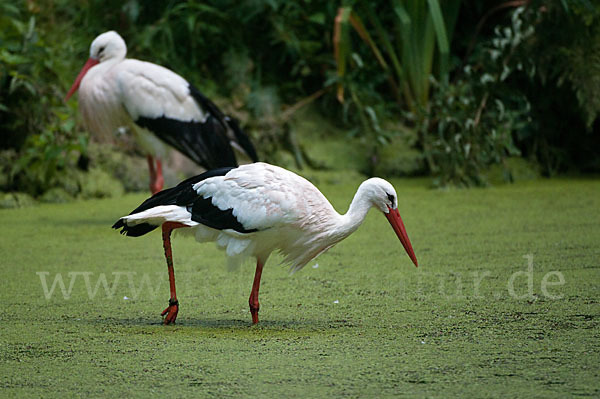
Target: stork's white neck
x: 359, y: 207
x: 98, y: 71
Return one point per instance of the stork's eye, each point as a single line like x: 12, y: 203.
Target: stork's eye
x: 101, y: 50
x: 391, y: 198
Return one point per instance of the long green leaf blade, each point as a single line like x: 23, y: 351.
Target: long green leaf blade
x: 341, y: 46
x: 442, y: 38
x: 358, y: 25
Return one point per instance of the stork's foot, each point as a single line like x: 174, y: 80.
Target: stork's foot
x: 254, y: 312
x: 171, y: 311
x: 253, y: 300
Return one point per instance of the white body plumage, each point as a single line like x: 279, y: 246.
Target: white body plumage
x: 116, y: 93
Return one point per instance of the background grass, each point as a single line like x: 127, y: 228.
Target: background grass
x: 396, y: 330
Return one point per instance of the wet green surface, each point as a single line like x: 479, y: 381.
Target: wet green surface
x: 364, y: 323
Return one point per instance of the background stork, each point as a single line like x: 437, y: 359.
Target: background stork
x: 158, y: 106
x: 255, y: 209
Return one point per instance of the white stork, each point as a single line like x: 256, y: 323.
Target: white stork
x: 254, y: 209
x: 158, y: 106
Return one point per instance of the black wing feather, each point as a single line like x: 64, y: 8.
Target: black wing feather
x: 183, y: 194
x: 206, y: 143
x: 202, y: 209
x: 241, y: 137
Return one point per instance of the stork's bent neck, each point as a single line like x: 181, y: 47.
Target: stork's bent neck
x: 359, y: 207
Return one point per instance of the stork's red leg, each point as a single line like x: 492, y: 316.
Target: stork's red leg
x: 253, y: 301
x: 159, y: 182
x: 152, y: 172
x: 173, y: 308
x: 156, y: 176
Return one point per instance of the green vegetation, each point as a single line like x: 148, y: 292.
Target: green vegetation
x: 460, y: 87
x: 396, y: 330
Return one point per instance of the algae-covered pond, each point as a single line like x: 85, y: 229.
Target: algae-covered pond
x: 505, y: 302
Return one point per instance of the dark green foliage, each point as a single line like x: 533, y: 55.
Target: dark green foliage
x: 22, y: 56
x: 47, y: 157
x: 466, y: 84
x: 36, y: 126
x: 564, y: 88
x: 567, y: 51
x: 491, y: 105
x: 471, y: 121
x: 464, y: 125
x: 405, y: 43
x: 465, y: 132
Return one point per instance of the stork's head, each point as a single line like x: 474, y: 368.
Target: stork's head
x: 108, y: 46
x: 381, y: 194
x: 383, y: 197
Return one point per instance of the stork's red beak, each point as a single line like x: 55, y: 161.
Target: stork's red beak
x: 90, y: 63
x: 393, y: 216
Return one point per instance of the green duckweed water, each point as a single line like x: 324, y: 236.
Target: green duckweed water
x: 505, y: 302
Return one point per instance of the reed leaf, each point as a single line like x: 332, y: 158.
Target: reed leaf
x: 419, y: 27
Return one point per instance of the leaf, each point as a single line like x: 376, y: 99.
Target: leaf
x: 12, y: 59
x: 358, y: 25
x: 442, y: 38
x: 402, y: 14
x: 373, y: 117
x: 358, y: 60
x: 8, y: 8
x: 341, y: 46
x: 191, y: 23
x: 386, y: 42
x: 318, y: 18
x: 30, y: 29
x: 131, y: 9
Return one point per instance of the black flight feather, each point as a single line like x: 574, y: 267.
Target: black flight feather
x: 202, y: 209
x: 241, y: 137
x: 206, y: 143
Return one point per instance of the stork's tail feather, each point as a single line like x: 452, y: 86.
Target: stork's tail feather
x: 164, y: 206
x: 133, y: 231
x: 120, y: 224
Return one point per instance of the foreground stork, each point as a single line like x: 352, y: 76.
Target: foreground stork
x: 255, y: 209
x: 158, y: 106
